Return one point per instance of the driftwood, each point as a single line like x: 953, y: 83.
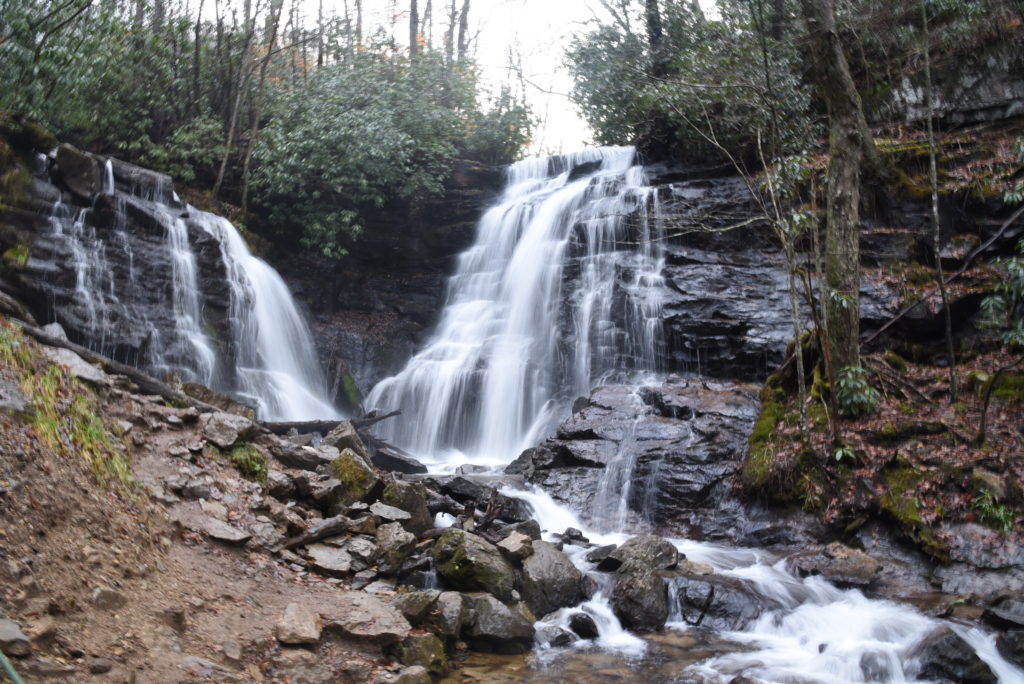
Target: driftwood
x: 146, y: 383
x: 331, y: 527
x: 325, y: 426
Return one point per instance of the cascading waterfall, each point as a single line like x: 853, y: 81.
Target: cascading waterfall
x: 268, y: 358
x: 559, y: 292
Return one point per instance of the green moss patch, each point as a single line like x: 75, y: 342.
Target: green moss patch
x: 249, y: 461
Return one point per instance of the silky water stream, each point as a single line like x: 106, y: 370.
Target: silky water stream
x: 561, y: 293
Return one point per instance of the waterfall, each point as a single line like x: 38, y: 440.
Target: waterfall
x: 559, y: 292
x: 260, y: 349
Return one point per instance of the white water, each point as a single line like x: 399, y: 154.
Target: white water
x: 561, y: 292
x: 521, y: 335
x: 269, y: 360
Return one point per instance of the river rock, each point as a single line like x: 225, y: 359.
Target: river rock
x: 463, y: 489
x: 583, y: 625
x: 394, y: 460
x: 448, y: 615
x: 330, y: 560
x: 387, y: 513
x: 344, y: 436
x: 1011, y: 646
x: 412, y: 498
x: 298, y: 625
x: 647, y: 549
x: 550, y: 581
x: 713, y: 601
x: 493, y: 627
x: 80, y: 171
x: 467, y: 562
x: 358, y: 480
x: 839, y: 564
x: 224, y: 429
x: 416, y: 674
x: 640, y: 599
x: 416, y: 605
x: 12, y: 641
x: 300, y: 666
x: 1007, y: 613
x: 425, y: 650
x: 363, y: 616
x: 516, y: 546
x: 394, y: 545
x: 945, y: 657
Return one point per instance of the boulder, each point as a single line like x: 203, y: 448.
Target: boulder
x: 80, y: 171
x: 12, y: 641
x: 448, y: 614
x: 1011, y: 646
x: 363, y: 616
x: 358, y: 480
x: 416, y: 605
x: 344, y: 436
x: 640, y: 598
x: 224, y: 429
x: 463, y: 490
x: 467, y: 562
x: 410, y: 497
x: 300, y: 666
x: 584, y: 626
x: 839, y: 564
x: 425, y: 650
x: 396, y: 461
x: 330, y: 560
x: 516, y: 547
x: 493, y: 627
x: 394, y: 545
x: 944, y: 656
x: 550, y: 581
x: 416, y: 674
x: 384, y: 512
x: 298, y: 625
x: 1007, y: 613
x: 714, y: 601
x: 649, y: 550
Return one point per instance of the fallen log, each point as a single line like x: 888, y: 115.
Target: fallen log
x: 147, y: 384
x: 304, y: 427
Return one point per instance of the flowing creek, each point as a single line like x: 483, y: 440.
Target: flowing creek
x: 561, y: 293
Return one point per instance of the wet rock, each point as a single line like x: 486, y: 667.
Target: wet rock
x: 81, y: 172
x: 647, y: 549
x: 584, y: 626
x: 448, y: 614
x: 224, y: 429
x: 389, y: 513
x: 290, y: 455
x: 1008, y: 613
x: 493, y: 627
x: 279, y: 485
x: 516, y: 546
x: 506, y: 508
x: 416, y: 605
x: 600, y: 553
x: 12, y: 641
x: 714, y: 601
x: 839, y: 564
x: 531, y: 528
x: 299, y: 625
x: 550, y: 581
x: 640, y: 599
x: 463, y: 489
x: 467, y: 562
x: 1011, y: 646
x: 362, y: 616
x: 573, y: 536
x: 358, y: 480
x: 394, y: 545
x: 330, y: 560
x: 944, y: 656
x: 425, y: 650
x: 408, y: 675
x: 555, y: 637
x: 395, y: 461
x: 412, y: 498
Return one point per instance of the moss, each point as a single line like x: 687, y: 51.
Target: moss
x: 249, y: 461
x: 425, y: 650
x: 357, y: 479
x: 906, y: 408
x: 1010, y: 388
x: 900, y: 503
x: 461, y: 571
x: 16, y: 256
x: 896, y: 362
x: 351, y: 390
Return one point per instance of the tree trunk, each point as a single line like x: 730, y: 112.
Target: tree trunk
x: 847, y: 130
x: 273, y: 22
x: 414, y: 29
x: 464, y: 30
x: 197, y: 63
x: 655, y: 38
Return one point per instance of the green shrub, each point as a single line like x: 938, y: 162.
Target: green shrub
x: 855, y: 395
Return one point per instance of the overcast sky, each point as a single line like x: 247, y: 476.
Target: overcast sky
x: 538, y: 32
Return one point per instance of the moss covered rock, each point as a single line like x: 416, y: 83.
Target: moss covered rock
x: 412, y: 498
x: 467, y: 562
x: 425, y: 650
x: 359, y: 482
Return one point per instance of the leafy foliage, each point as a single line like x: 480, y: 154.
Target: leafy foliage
x: 1004, y: 308
x: 993, y: 513
x: 854, y: 394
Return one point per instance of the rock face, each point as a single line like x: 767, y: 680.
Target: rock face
x: 944, y: 656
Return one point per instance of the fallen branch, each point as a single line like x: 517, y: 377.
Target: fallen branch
x: 324, y: 426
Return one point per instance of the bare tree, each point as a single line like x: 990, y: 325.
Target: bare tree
x: 414, y: 29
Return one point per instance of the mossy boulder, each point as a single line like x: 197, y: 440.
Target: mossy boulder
x: 467, y: 562
x: 359, y: 482
x: 412, y: 498
x: 81, y: 172
x: 425, y: 650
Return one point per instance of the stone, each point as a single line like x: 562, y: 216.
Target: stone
x: 839, y: 564
x: 361, y: 548
x: 106, y: 598
x: 448, y: 614
x: 415, y: 605
x: 550, y: 580
x: 48, y: 668
x: 646, y: 549
x: 493, y: 627
x: 944, y: 656
x: 467, y: 562
x: 1007, y: 613
x: 358, y: 480
x: 232, y: 650
x: 531, y: 528
x: 362, y: 616
x: 573, y: 536
x: 395, y: 461
x: 555, y: 637
x: 584, y: 626
x: 714, y: 601
x: 12, y: 399
x: 1011, y: 646
x: 299, y: 625
x: 56, y: 331
x: 12, y: 641
x: 394, y: 545
x: 600, y: 553
x: 330, y: 560
x: 507, y: 509
x: 463, y: 489
x: 344, y: 436
x: 80, y: 171
x: 224, y: 429
x: 99, y: 665
x: 265, y: 535
x: 79, y: 367
x: 516, y: 546
x: 196, y: 489
x: 408, y: 675
x: 389, y: 513
x: 223, y: 532
x: 300, y: 666
x: 425, y: 650
x: 279, y: 484
x: 639, y: 598
x: 412, y: 498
